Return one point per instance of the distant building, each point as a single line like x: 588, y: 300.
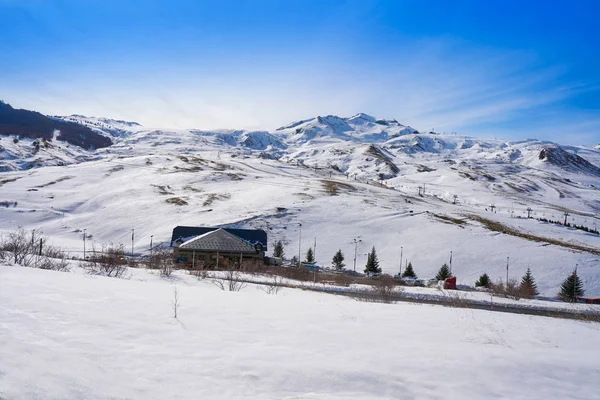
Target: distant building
x: 204, y: 247
x: 588, y: 299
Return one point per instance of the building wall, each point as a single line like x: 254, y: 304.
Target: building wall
x: 209, y: 259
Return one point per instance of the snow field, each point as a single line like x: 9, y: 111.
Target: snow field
x: 72, y: 336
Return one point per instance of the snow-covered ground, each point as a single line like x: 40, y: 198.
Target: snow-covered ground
x: 74, y: 336
x: 322, y: 173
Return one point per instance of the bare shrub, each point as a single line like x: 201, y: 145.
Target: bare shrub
x: 385, y: 290
x: 253, y: 266
x: 366, y: 295
x: 343, y: 280
x: 111, y: 261
x: 53, y: 251
x: 22, y: 245
x: 55, y: 264
x: 232, y: 281
x: 274, y: 285
x: 513, y: 289
x: 29, y: 249
x: 455, y: 300
x: 162, y: 260
x: 510, y: 289
x: 201, y: 274
x: 175, y: 302
x: 299, y: 274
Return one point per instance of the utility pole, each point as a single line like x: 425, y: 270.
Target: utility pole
x: 84, y: 243
x: 151, y: 236
x: 355, y: 249
x: 400, y: 272
x: 132, y: 237
x: 315, y: 251
x: 450, y: 262
x: 507, y: 260
x: 566, y: 214
x: 575, y: 284
x: 299, y: 244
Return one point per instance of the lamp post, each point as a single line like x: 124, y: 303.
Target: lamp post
x: 401, y: 249
x: 299, y: 243
x: 355, y: 248
x: 132, y: 237
x: 151, y: 236
x: 575, y: 283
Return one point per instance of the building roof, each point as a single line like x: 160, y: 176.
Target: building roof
x: 219, y: 240
x: 251, y: 236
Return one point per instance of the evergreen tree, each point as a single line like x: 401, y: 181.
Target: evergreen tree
x: 310, y: 256
x: 409, y: 272
x: 372, y: 263
x: 338, y: 260
x: 278, y: 249
x: 484, y: 281
x: 443, y: 273
x: 571, y: 288
x: 528, y: 285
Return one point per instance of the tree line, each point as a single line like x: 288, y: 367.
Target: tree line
x: 571, y: 288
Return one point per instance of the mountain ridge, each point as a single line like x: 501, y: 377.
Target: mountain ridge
x: 34, y: 125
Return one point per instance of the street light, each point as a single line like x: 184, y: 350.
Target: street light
x: 299, y: 243
x: 132, y: 236
x: 355, y: 248
x: 401, y: 249
x: 575, y: 284
x: 151, y: 236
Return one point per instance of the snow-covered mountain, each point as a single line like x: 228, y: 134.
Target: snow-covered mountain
x: 112, y: 128
x: 377, y: 181
x: 360, y: 128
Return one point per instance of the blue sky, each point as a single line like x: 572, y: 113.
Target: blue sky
x: 502, y: 69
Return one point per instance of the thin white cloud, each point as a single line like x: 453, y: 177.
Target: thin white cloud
x: 442, y: 84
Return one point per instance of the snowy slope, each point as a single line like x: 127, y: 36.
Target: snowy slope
x: 74, y: 336
x: 326, y: 176
x: 23, y: 154
x: 108, y: 127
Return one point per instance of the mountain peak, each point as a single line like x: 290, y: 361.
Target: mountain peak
x: 362, y: 116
